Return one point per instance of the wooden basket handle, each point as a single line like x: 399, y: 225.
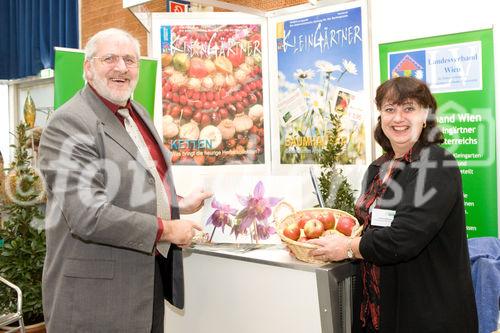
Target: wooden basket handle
x: 279, y: 207
x: 357, y: 232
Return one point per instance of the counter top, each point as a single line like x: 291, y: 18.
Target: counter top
x: 267, y: 254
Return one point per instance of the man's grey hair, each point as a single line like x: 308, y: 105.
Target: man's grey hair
x: 90, y: 48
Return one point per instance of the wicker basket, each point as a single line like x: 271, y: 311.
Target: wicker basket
x: 302, y: 250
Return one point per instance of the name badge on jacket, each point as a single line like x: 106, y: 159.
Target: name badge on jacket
x: 382, y: 217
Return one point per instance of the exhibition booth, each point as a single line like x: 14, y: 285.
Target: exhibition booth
x: 278, y: 105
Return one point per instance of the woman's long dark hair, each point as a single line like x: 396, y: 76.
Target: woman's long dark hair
x: 399, y: 90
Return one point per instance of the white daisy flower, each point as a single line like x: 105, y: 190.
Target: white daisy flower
x: 327, y: 67
x: 350, y: 67
x: 317, y: 102
x: 303, y: 74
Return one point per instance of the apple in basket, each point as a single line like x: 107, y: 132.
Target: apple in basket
x: 292, y: 231
x: 327, y: 219
x: 303, y: 219
x: 313, y: 228
x: 345, y: 225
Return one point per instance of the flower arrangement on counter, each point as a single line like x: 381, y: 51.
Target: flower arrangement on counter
x: 252, y: 218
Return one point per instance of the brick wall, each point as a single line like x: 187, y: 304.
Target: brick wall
x: 97, y: 15
x: 267, y: 4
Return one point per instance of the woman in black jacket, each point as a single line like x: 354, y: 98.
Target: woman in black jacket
x: 415, y: 271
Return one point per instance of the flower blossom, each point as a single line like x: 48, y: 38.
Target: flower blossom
x: 256, y: 208
x: 301, y: 74
x: 350, y: 67
x: 220, y: 217
x: 264, y: 231
x: 327, y: 67
x: 317, y: 101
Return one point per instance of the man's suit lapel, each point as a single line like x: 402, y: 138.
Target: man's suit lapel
x: 116, y: 131
x: 112, y: 126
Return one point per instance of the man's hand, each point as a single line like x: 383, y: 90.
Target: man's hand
x: 179, y: 232
x: 194, y: 201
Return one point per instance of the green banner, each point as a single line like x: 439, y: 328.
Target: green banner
x: 68, y: 74
x: 68, y: 78
x: 144, y: 92
x: 459, y: 71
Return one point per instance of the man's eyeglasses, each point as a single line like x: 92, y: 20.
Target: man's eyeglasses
x: 113, y: 59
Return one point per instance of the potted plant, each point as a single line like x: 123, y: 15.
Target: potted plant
x: 334, y: 187
x: 23, y: 251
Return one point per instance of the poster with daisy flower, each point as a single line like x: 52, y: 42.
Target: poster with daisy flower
x: 322, y: 70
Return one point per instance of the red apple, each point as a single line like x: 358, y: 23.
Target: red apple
x: 292, y: 231
x: 303, y: 219
x: 345, y: 225
x: 327, y: 219
x: 313, y: 228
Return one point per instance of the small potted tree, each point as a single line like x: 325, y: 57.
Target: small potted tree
x: 334, y: 187
x: 23, y: 251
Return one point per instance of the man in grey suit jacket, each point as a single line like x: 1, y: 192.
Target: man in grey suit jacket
x: 102, y: 271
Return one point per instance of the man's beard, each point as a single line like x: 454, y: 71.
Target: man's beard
x: 119, y: 97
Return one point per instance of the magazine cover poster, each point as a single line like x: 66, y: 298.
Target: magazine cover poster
x: 320, y: 74
x: 212, y: 98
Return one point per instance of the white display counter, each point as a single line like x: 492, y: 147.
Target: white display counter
x: 262, y: 290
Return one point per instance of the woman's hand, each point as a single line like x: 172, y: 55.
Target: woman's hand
x: 331, y: 248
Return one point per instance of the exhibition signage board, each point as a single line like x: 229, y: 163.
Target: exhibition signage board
x: 212, y: 97
x: 321, y: 61
x: 68, y: 74
x: 145, y: 90
x: 177, y: 6
x: 68, y: 78
x: 459, y: 70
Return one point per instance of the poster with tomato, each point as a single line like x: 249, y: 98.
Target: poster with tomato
x: 212, y: 93
x: 322, y: 70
